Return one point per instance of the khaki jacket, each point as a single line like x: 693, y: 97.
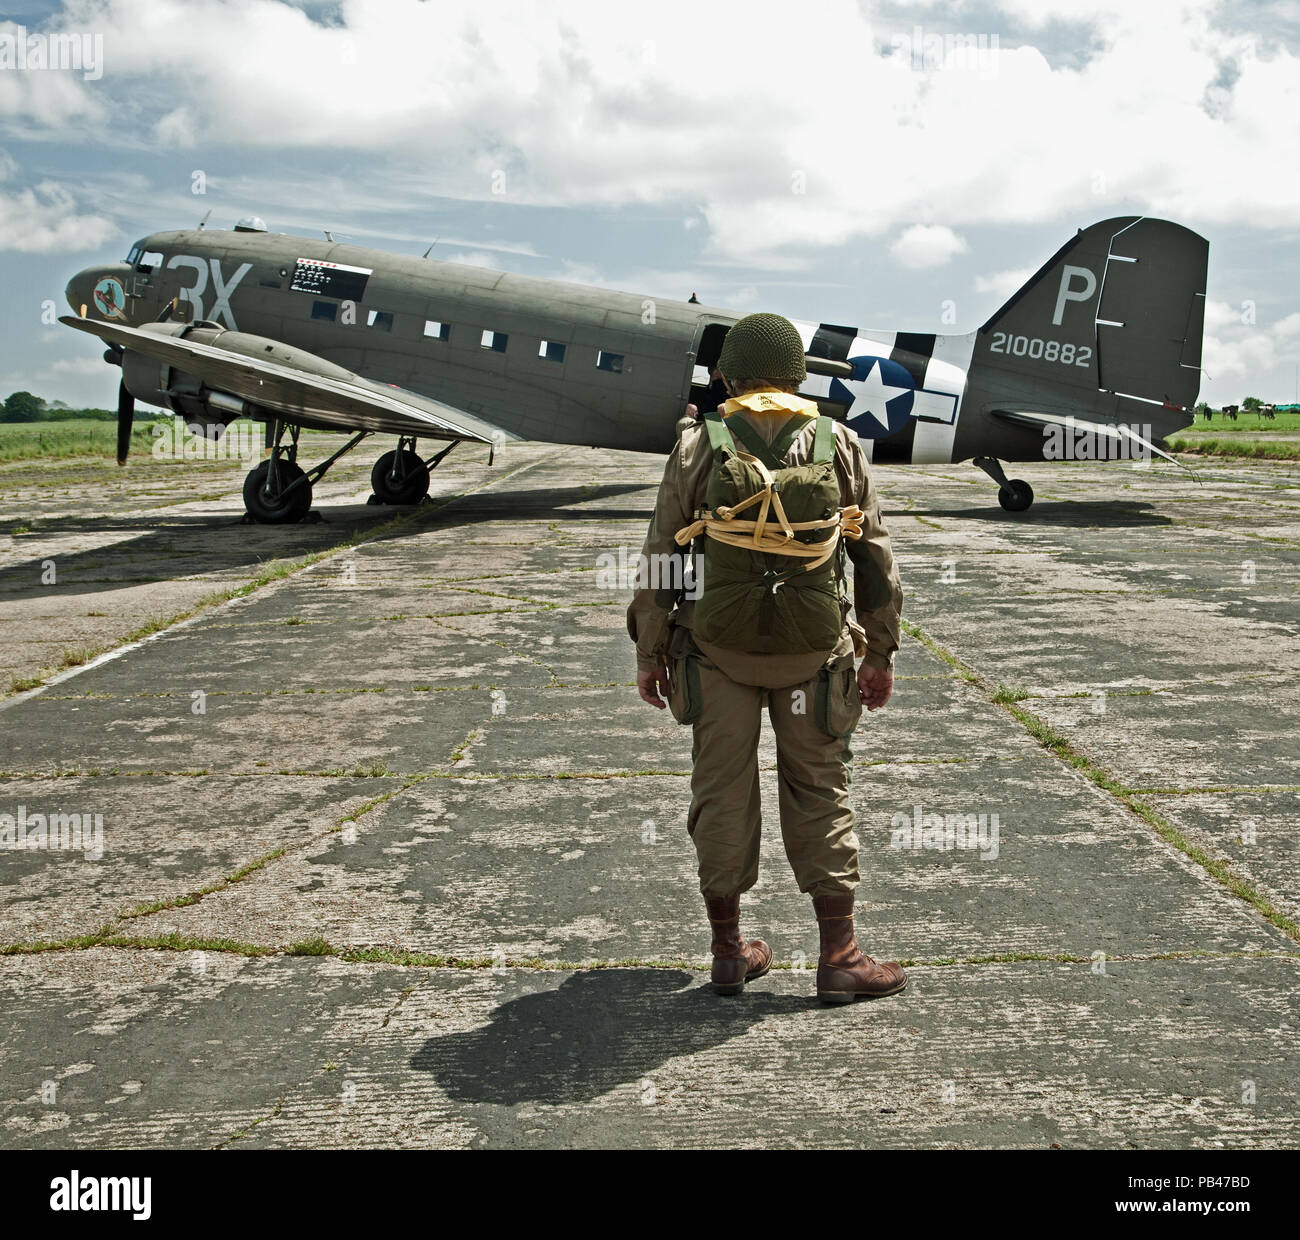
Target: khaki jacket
x: 877, y: 594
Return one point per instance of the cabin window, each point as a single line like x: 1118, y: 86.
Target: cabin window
x: 613, y: 362
x: 435, y: 330
x: 380, y: 320
x: 496, y: 341
x: 551, y: 350
x: 324, y: 310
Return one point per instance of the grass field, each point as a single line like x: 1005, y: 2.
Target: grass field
x: 1260, y: 449
x: 22, y: 441
x: 26, y: 441
x: 1250, y: 436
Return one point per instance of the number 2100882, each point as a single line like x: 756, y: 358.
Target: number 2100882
x: 1035, y: 347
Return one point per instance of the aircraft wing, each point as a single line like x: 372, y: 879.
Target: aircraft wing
x: 1110, y: 430
x: 330, y: 398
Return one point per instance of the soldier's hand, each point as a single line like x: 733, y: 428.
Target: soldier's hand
x: 875, y: 685
x: 653, y: 686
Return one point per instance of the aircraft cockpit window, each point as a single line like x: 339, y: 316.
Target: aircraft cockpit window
x: 613, y: 362
x: 496, y: 341
x: 435, y: 330
x: 133, y: 257
x: 147, y: 261
x: 380, y: 320
x: 551, y: 350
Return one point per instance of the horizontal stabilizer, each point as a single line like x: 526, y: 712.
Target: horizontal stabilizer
x: 1114, y: 431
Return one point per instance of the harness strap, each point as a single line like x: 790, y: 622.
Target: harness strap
x: 755, y: 535
x: 755, y: 444
x: 719, y: 436
x: 823, y: 441
x: 846, y: 523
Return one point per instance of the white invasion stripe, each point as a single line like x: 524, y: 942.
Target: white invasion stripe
x: 932, y: 443
x: 949, y: 363
x: 873, y: 344
x: 949, y: 367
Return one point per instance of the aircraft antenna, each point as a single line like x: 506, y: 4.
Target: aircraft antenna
x: 203, y: 222
x: 430, y: 249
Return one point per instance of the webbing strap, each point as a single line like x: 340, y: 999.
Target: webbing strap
x: 823, y: 441
x: 719, y: 436
x: 754, y: 443
x: 786, y: 435
x: 773, y: 455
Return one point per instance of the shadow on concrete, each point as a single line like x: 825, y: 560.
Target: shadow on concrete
x: 175, y: 544
x: 557, y: 503
x: 1077, y: 514
x: 595, y: 1031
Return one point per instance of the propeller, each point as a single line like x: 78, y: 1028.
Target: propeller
x: 125, y: 417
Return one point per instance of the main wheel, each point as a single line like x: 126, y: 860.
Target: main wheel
x: 1016, y: 496
x: 400, y: 478
x: 278, y: 509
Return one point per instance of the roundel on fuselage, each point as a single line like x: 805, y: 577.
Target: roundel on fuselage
x: 880, y: 396
x: 110, y: 298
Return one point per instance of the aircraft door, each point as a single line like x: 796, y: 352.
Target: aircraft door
x: 708, y: 348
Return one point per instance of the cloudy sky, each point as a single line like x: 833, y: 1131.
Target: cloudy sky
x: 867, y: 164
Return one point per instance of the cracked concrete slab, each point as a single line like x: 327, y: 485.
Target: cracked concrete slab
x: 1252, y: 830
x: 103, y: 1027
x: 156, y: 838
x: 602, y: 869
x: 289, y: 1052
x: 314, y: 732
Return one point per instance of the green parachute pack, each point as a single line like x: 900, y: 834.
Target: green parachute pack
x: 772, y: 580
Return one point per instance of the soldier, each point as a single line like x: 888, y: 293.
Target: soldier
x: 774, y: 496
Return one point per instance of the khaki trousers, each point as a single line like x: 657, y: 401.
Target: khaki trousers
x: 725, y: 818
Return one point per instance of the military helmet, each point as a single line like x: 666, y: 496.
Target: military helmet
x: 763, y: 346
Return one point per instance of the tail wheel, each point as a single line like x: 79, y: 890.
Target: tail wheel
x: 279, y: 508
x: 400, y: 477
x: 1016, y: 496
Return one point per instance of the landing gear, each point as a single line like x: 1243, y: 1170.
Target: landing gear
x: 278, y: 491
x: 1014, y: 494
x: 278, y: 499
x: 402, y: 477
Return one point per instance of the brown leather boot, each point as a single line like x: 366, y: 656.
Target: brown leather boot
x: 844, y: 971
x: 735, y: 962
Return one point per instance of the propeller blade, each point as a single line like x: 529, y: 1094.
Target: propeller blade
x: 125, y: 417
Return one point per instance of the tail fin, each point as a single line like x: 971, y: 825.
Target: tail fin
x: 1119, y: 309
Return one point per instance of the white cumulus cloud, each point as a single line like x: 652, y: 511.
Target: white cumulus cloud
x: 926, y: 245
